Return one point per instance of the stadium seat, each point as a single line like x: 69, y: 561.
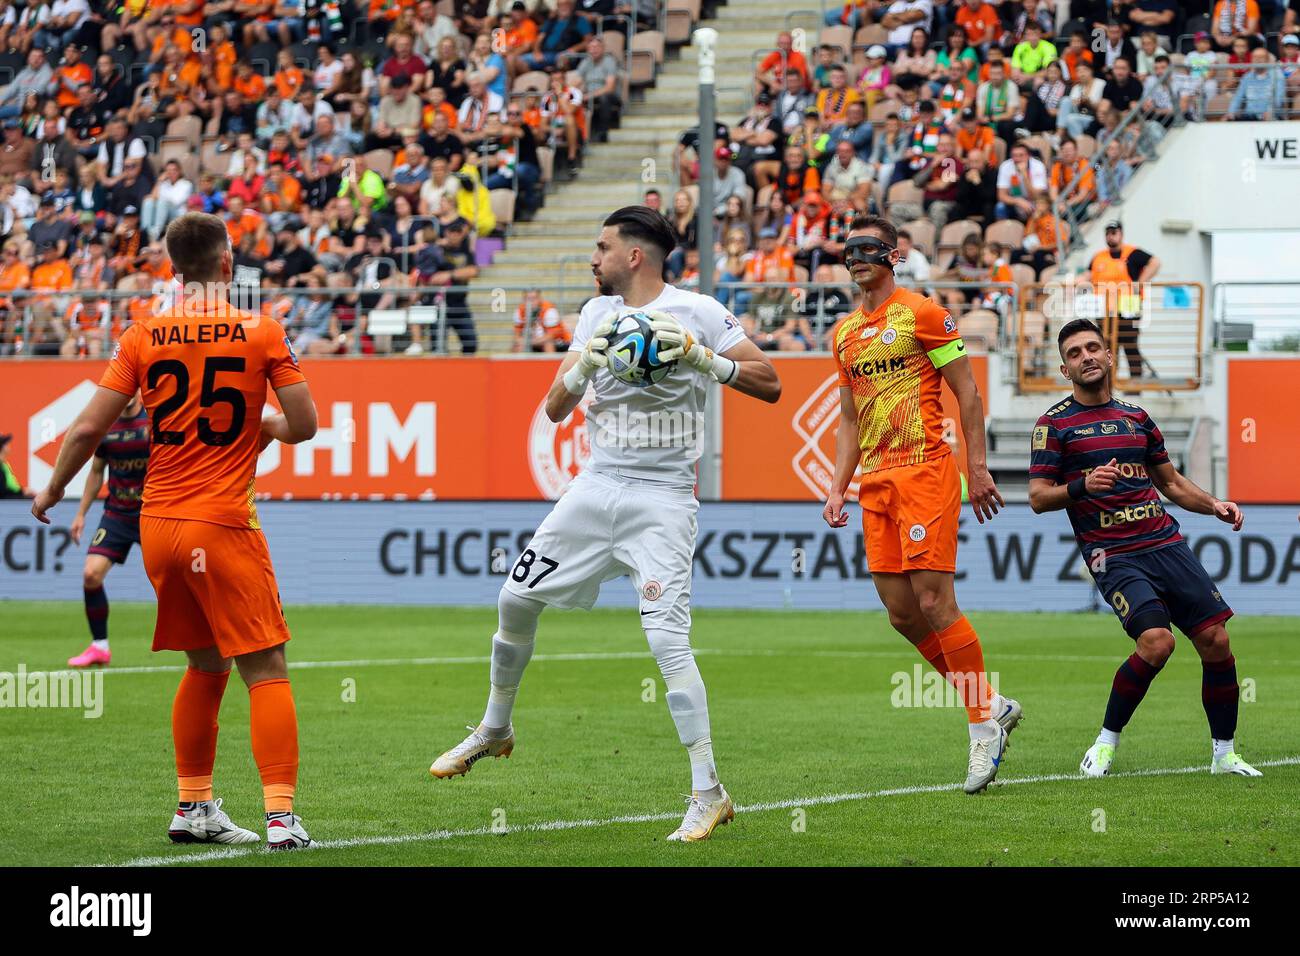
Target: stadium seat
x: 1039, y: 144
x: 904, y: 192
x: 840, y: 36
x: 1218, y: 106
x: 173, y: 147
x: 871, y: 34
x: 386, y: 322
x: 1033, y: 327
x: 955, y: 232
x: 615, y: 43
x: 981, y: 326
x: 210, y: 157
x: 381, y: 161
x: 503, y: 207
x: 1008, y: 232
x: 1023, y: 274
x: 305, y: 55
x: 535, y: 80
x: 189, y: 128
x: 881, y: 110
x: 999, y: 151
x: 546, y: 163
x: 922, y: 232
x: 679, y: 19
x: 261, y: 57
x: 646, y: 54
x: 1087, y: 145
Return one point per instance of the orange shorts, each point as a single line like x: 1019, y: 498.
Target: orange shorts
x: 909, y: 516
x: 215, y: 587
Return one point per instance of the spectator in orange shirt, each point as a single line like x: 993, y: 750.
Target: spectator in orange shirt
x: 248, y: 83
x: 980, y: 22
x: 14, y: 274
x: 833, y: 102
x: 972, y: 134
x: 1069, y: 165
x: 797, y: 176
x: 770, y: 74
x: 1234, y: 18
x: 289, y: 77
x: 71, y: 77
x: 994, y: 259
x: 521, y: 33
x: 764, y: 310
x: 436, y: 102
x: 1076, y: 53
x: 539, y: 322
x: 1042, y: 237
x: 219, y: 59
x: 280, y: 192
x: 52, y: 274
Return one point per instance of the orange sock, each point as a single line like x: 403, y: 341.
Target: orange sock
x: 274, y: 729
x: 194, y: 731
x: 965, y: 659
x: 931, y: 649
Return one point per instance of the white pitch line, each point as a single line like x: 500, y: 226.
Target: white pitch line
x: 549, y: 826
x: 632, y: 655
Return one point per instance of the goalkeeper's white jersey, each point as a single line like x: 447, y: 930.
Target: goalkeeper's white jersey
x: 654, y: 433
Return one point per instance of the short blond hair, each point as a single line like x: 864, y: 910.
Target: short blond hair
x: 196, y: 242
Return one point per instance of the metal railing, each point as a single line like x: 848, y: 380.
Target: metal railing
x: 45, y: 324
x: 1256, y: 316
x: 1154, y: 331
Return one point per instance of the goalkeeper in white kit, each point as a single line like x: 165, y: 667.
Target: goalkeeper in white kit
x: 632, y: 510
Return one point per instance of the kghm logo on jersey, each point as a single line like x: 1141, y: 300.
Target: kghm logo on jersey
x: 870, y: 367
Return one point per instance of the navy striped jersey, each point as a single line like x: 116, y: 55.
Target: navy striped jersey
x: 126, y: 450
x: 1072, y: 439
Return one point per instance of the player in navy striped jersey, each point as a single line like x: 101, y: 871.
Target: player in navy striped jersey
x: 124, y: 453
x: 1103, y: 461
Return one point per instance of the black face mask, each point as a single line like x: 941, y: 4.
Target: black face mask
x: 868, y: 250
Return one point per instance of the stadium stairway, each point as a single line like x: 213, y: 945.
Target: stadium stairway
x: 552, y: 250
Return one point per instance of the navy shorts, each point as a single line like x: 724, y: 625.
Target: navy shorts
x: 1169, y: 582
x: 114, y: 537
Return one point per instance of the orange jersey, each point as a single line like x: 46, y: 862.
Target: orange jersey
x: 16, y: 275
x: 430, y: 111
x: 251, y: 87
x: 203, y: 371
x: 179, y: 36
x: 82, y: 75
x: 890, y: 361
x: 289, y: 82
x: 224, y: 56
x: 52, y: 276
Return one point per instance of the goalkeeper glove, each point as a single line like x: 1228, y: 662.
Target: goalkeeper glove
x: 677, y: 344
x: 590, y: 360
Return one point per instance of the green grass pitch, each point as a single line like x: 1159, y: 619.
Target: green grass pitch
x: 801, y: 710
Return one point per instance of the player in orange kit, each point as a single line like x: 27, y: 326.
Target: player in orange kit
x: 203, y: 368
x: 892, y: 354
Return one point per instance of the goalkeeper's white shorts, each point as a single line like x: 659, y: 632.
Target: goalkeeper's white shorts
x: 606, y: 526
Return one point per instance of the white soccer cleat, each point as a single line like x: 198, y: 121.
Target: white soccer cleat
x: 985, y: 756
x: 472, y: 749
x: 206, y: 822
x: 1009, y: 717
x: 1096, y: 762
x: 703, y: 817
x: 1231, y: 763
x: 284, y: 831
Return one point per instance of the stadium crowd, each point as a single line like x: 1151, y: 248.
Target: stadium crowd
x: 364, y: 144
x: 981, y: 129
x: 347, y: 143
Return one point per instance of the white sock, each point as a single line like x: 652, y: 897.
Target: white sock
x: 996, y: 703
x: 1221, y: 748
x: 687, y: 702
x: 1108, y: 737
x: 101, y: 643
x: 984, y: 729
x: 512, y: 648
